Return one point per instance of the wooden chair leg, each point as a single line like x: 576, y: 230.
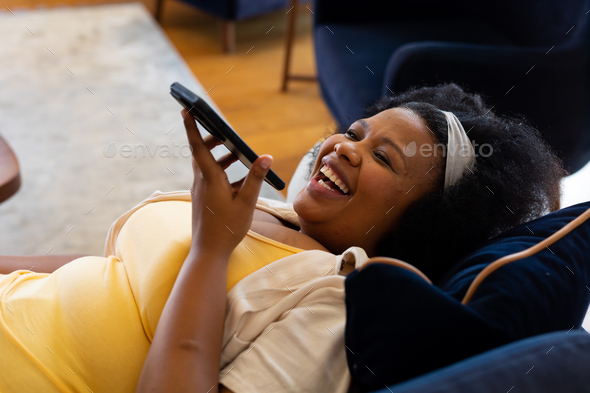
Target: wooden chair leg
x: 159, y: 10
x: 229, y: 35
x: 289, y: 42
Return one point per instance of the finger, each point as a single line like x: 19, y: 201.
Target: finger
x: 251, y: 187
x: 195, y: 166
x: 227, y: 160
x: 211, y: 141
x: 202, y: 156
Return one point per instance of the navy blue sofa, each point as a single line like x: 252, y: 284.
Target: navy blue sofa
x: 528, y: 57
x: 400, y: 329
x: 551, y: 363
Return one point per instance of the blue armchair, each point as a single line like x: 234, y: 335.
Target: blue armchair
x: 529, y: 58
x: 229, y: 12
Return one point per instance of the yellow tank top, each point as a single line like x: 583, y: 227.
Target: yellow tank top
x: 88, y: 326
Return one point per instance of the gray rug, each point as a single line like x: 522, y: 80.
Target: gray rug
x: 77, y: 85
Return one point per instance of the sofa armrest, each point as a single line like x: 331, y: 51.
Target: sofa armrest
x: 355, y: 12
x: 476, y: 63
x: 36, y: 263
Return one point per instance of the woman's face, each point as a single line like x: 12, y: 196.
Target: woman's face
x: 379, y: 161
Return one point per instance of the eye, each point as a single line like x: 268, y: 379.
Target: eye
x: 352, y: 134
x: 382, y: 157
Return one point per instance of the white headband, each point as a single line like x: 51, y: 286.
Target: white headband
x: 460, y: 152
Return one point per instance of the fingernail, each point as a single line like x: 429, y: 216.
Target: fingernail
x: 266, y: 161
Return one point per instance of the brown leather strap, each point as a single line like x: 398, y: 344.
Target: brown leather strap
x: 398, y: 263
x: 524, y: 254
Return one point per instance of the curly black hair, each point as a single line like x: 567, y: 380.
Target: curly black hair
x: 517, y: 182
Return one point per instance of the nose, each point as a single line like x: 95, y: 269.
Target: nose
x: 347, y: 151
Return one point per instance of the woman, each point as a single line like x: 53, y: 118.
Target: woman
x: 408, y: 181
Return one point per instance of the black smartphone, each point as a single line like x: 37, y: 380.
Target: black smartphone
x: 217, y: 127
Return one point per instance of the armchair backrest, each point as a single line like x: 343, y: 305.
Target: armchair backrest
x: 535, y: 22
x: 354, y: 11
x: 525, y: 22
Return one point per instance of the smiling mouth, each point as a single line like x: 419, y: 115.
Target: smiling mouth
x: 330, y: 181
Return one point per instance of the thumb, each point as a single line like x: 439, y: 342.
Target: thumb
x: 251, y: 186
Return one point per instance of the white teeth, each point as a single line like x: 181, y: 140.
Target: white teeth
x: 333, y: 177
x: 321, y: 182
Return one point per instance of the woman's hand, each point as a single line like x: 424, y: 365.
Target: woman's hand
x: 185, y: 352
x: 221, y: 212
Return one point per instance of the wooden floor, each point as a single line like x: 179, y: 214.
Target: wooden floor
x: 246, y: 85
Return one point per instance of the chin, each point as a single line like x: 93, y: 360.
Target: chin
x: 301, y: 199
x: 307, y: 208
x: 299, y: 208
x: 296, y: 201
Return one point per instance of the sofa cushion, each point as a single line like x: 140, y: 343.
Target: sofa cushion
x: 553, y: 362
x: 399, y: 326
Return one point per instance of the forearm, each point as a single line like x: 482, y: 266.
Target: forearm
x: 36, y: 263
x: 186, y: 349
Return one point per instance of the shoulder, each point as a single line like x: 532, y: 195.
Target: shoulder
x: 263, y: 216
x: 283, y: 231
x: 282, y: 210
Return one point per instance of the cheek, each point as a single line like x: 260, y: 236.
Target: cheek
x: 380, y: 189
x: 328, y: 145
x: 325, y: 148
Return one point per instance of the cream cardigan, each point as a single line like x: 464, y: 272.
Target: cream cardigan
x: 284, y: 327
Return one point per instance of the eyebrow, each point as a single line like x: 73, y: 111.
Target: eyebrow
x: 389, y: 142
